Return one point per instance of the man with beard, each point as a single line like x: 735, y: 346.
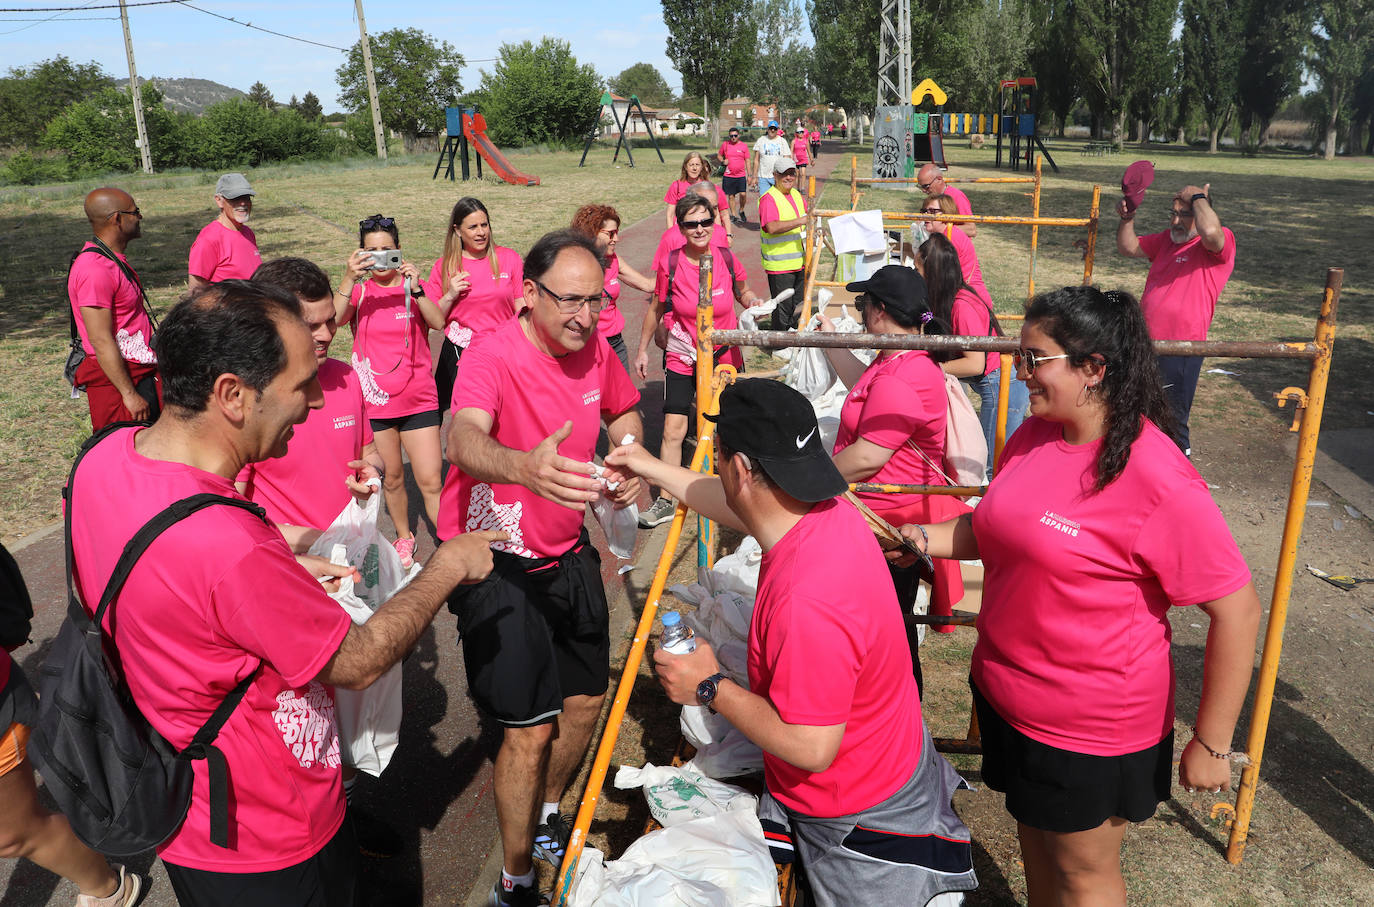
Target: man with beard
x: 226, y: 247
x: 1189, y: 266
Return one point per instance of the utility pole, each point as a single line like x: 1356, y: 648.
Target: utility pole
x: 144, y: 151
x: 371, y: 83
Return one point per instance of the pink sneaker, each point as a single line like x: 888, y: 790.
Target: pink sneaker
x: 406, y: 549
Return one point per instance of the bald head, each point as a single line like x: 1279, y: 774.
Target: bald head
x: 927, y: 177
x: 103, y: 203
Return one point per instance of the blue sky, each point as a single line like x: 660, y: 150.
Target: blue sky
x: 173, y: 41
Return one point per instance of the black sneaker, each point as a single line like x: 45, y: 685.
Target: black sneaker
x: 551, y: 838
x: 519, y: 896
x: 375, y: 838
x: 660, y: 512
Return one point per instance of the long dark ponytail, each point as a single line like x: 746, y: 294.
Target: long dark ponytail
x: 1089, y: 323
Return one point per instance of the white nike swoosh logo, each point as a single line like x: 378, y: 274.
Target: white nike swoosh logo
x: 801, y: 442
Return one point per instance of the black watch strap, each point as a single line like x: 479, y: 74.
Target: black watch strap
x: 706, y: 690
x: 1200, y: 195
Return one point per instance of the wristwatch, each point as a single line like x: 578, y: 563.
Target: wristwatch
x: 1200, y: 195
x: 706, y: 690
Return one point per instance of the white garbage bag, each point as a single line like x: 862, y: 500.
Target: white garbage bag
x: 678, y: 794
x: 716, y: 861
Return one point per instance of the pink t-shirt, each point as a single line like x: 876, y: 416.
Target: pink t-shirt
x: 223, y: 253
x: 681, y: 315
x: 489, y: 301
x: 306, y: 487
x: 896, y: 400
x: 679, y: 188
x: 612, y: 320
x: 826, y: 647
x: 391, y: 352
x: 973, y: 319
x: 801, y: 151
x: 672, y: 239
x: 529, y: 395
x: 736, y: 157
x: 1073, y: 637
x: 968, y: 261
x: 1185, y: 280
x: 97, y: 283
x: 211, y: 598
x: 961, y: 203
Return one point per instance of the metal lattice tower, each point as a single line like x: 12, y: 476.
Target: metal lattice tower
x: 894, y: 53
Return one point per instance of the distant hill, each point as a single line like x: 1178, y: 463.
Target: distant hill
x: 193, y: 95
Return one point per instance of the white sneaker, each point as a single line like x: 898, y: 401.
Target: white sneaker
x: 661, y: 511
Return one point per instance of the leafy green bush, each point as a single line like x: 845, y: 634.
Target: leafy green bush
x: 538, y: 93
x: 24, y: 169
x: 98, y: 134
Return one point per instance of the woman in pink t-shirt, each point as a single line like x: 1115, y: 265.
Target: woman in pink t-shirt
x: 602, y: 224
x: 476, y: 286
x: 801, y: 153
x: 1094, y: 527
x: 391, y: 356
x: 968, y: 258
x: 971, y: 316
x: 674, y: 305
x: 695, y: 168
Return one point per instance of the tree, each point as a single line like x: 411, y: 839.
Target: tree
x: 1213, y: 43
x: 846, y: 52
x: 1343, y: 38
x: 98, y: 134
x: 260, y: 95
x: 310, y: 109
x: 645, y: 82
x: 991, y: 42
x: 783, y: 65
x: 1108, y: 38
x: 30, y: 98
x: 712, y: 43
x: 1271, y: 68
x: 539, y: 93
x: 416, y: 79
x: 1051, y: 60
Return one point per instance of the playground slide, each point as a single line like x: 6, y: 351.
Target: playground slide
x: 477, y: 135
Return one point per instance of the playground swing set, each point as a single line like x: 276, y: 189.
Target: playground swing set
x: 709, y: 384
x: 632, y: 106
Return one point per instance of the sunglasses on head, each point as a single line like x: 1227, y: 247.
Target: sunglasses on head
x: 377, y: 222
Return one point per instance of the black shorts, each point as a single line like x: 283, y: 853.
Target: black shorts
x: 679, y: 393
x: 535, y: 632
x: 617, y: 344
x: 327, y: 879
x: 446, y: 372
x: 1063, y: 791
x: 428, y: 419
x: 734, y: 185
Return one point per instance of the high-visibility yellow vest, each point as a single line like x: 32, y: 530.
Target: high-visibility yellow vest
x: 784, y: 252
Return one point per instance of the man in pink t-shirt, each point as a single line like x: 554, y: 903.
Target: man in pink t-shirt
x: 1190, y: 264
x: 853, y: 780
x: 931, y: 179
x: 331, y: 457
x: 219, y: 596
x: 226, y: 248
x: 530, y: 399
x: 110, y: 316
x: 735, y: 154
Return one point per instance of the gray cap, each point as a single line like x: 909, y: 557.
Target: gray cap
x: 782, y: 165
x: 233, y: 185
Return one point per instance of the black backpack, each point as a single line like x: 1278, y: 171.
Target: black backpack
x: 123, y: 787
x: 16, y: 608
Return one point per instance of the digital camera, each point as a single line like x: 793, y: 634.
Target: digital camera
x: 385, y: 260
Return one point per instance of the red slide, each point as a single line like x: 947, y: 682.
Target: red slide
x: 475, y: 128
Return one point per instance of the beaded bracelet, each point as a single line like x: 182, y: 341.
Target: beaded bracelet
x: 925, y: 535
x: 1232, y: 755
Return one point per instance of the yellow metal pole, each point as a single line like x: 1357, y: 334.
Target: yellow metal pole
x: 1288, y: 554
x: 1035, y: 231
x: 853, y: 182
x: 1005, y: 220
x: 1092, y: 237
x: 809, y: 284
x: 706, y: 361
x: 999, y: 438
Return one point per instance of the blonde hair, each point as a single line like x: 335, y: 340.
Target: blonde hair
x: 705, y: 167
x: 464, y: 208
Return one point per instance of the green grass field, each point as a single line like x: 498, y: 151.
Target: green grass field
x: 1293, y: 218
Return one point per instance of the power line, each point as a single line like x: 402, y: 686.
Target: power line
x: 252, y: 26
x: 64, y: 19
x: 15, y: 31
x: 72, y: 9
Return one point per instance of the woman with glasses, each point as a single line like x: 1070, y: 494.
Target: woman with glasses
x: 602, y: 224
x: 968, y: 259
x: 695, y: 168
x: 389, y: 313
x: 971, y: 316
x: 1095, y: 526
x: 476, y: 285
x: 674, y: 303
x: 892, y: 425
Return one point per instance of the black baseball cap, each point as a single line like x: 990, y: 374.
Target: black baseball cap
x: 776, y: 426
x: 896, y: 287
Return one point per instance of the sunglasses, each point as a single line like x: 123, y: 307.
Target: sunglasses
x: 932, y: 211
x: 734, y: 135
x: 134, y: 213
x: 1029, y: 360
x: 696, y: 224
x: 377, y: 222
x: 571, y: 305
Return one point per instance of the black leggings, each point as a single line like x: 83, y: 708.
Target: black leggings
x: 445, y: 373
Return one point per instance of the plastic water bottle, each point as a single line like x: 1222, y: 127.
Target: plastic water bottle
x: 621, y: 524
x: 678, y: 638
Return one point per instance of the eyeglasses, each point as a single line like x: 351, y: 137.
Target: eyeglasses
x: 571, y: 305
x: 696, y: 224
x: 932, y: 211
x: 734, y: 135
x: 377, y: 222
x: 925, y: 186
x: 1029, y: 360
x: 134, y: 213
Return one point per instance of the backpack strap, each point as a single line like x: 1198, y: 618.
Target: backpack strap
x: 202, y: 744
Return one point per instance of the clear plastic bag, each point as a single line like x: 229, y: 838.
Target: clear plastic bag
x: 620, y: 524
